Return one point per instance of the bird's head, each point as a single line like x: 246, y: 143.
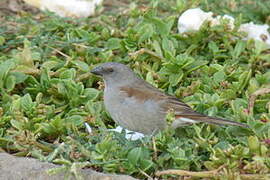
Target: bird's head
x: 115, y: 73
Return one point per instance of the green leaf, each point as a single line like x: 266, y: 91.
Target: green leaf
x: 26, y: 102
x: 254, y: 144
x: 76, y: 120
x: 239, y: 48
x: 68, y: 74
x: 113, y: 43
x: 18, y: 125
x: 217, y: 67
x: 25, y: 57
x: 81, y: 65
x: 150, y: 79
x: 163, y: 28
x: 229, y: 94
x: 10, y: 82
x: 260, y: 46
x: 222, y: 145
x: 174, y: 79
x: 134, y: 156
x: 5, y: 67
x: 50, y: 64
x: 146, y: 164
x: 213, y: 47
x: 168, y: 45
x: 219, y: 76
x: 195, y: 65
x: 157, y: 48
x: 45, y: 79
x: 145, y: 32
x: 19, y: 77
x: 91, y: 93
x: 94, y: 108
x: 244, y: 79
x: 2, y: 40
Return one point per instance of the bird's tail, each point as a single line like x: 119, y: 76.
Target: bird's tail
x: 220, y: 121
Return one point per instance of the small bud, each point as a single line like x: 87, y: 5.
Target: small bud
x: 254, y: 144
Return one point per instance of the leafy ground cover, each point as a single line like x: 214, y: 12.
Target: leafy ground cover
x: 48, y: 93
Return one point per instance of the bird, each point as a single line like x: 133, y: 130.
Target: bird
x: 138, y: 106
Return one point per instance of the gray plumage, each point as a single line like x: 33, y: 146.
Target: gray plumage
x: 138, y: 106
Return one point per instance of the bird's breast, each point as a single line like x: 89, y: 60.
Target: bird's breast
x: 132, y: 113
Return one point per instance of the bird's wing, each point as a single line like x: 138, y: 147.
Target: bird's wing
x: 143, y: 91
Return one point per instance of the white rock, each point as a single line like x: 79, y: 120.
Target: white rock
x: 130, y: 135
x: 192, y: 19
x: 67, y: 8
x: 256, y: 32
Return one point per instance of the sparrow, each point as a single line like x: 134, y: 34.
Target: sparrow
x: 138, y: 106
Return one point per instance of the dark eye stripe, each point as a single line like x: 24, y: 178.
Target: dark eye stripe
x: 109, y: 70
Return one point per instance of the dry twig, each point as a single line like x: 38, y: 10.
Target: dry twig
x: 154, y: 148
x: 211, y: 174
x: 59, y: 52
x: 253, y: 97
x: 145, y: 174
x: 203, y: 174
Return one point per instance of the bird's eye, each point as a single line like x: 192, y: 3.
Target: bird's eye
x: 110, y: 69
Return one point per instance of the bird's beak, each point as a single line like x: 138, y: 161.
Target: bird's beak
x: 97, y: 71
